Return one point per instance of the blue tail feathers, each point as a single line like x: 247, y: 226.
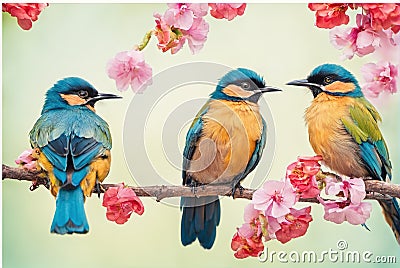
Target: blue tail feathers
x: 391, y: 211
x: 200, y: 219
x: 70, y: 214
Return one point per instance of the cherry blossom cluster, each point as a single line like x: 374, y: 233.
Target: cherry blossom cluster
x: 25, y: 13
x: 349, y: 205
x: 377, y: 30
x: 120, y: 202
x: 271, y: 213
x: 181, y: 23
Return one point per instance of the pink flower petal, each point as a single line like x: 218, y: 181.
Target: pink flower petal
x: 330, y: 15
x: 379, y: 77
x: 250, y: 213
x: 274, y: 198
x: 25, y: 13
x: 227, y: 11
x: 120, y: 203
x: 129, y: 68
x: 246, y: 230
x: 26, y: 160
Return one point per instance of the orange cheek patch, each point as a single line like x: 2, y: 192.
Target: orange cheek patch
x: 90, y: 108
x: 73, y: 99
x: 339, y: 86
x: 235, y: 91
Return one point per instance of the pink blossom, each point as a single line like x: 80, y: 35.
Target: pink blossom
x: 182, y: 15
x: 343, y: 210
x: 250, y: 213
x: 248, y: 239
x: 302, y: 175
x: 25, y: 13
x: 197, y: 35
x: 120, y: 203
x: 227, y: 11
x: 379, y: 77
x: 26, y: 160
x: 330, y: 15
x: 254, y: 222
x: 168, y: 37
x: 172, y: 38
x: 275, y: 198
x: 361, y: 40
x: 384, y: 16
x: 246, y: 247
x: 295, y: 224
x: 129, y: 68
x: 349, y: 188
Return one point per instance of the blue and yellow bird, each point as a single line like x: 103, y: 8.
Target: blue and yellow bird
x: 343, y: 129
x: 73, y: 146
x: 223, y: 145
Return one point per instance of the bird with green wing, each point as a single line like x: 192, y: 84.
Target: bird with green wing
x: 343, y: 129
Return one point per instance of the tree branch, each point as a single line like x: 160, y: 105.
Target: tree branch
x: 375, y: 189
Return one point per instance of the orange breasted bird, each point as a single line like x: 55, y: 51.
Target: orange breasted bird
x: 343, y: 129
x: 73, y: 145
x: 223, y: 145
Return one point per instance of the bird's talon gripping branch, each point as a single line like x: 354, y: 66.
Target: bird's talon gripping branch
x: 36, y: 183
x: 193, y: 185
x: 99, y: 189
x: 237, y: 186
x: 241, y: 189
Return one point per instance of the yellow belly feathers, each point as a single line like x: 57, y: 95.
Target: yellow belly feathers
x: 230, y: 132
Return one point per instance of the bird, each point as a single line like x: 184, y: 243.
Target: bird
x: 343, y: 129
x: 223, y: 145
x: 73, y: 146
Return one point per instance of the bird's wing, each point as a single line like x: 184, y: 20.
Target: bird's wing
x: 71, y: 147
x: 192, y: 137
x: 362, y: 125
x: 256, y: 156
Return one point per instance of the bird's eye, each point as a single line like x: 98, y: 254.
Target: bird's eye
x: 83, y: 93
x: 245, y: 85
x: 328, y: 80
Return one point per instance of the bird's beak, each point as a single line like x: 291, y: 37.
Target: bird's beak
x: 269, y: 89
x: 302, y: 82
x: 102, y: 96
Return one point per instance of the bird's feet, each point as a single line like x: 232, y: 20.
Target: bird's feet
x: 99, y: 189
x: 194, y: 185
x: 41, y: 179
x: 236, y: 186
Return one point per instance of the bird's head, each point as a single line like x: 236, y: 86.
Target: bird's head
x: 74, y: 91
x: 241, y: 85
x: 331, y: 79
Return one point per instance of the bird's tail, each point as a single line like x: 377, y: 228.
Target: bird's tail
x: 200, y: 219
x: 70, y: 214
x: 391, y: 211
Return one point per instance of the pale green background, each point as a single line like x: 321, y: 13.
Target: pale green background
x: 279, y: 41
